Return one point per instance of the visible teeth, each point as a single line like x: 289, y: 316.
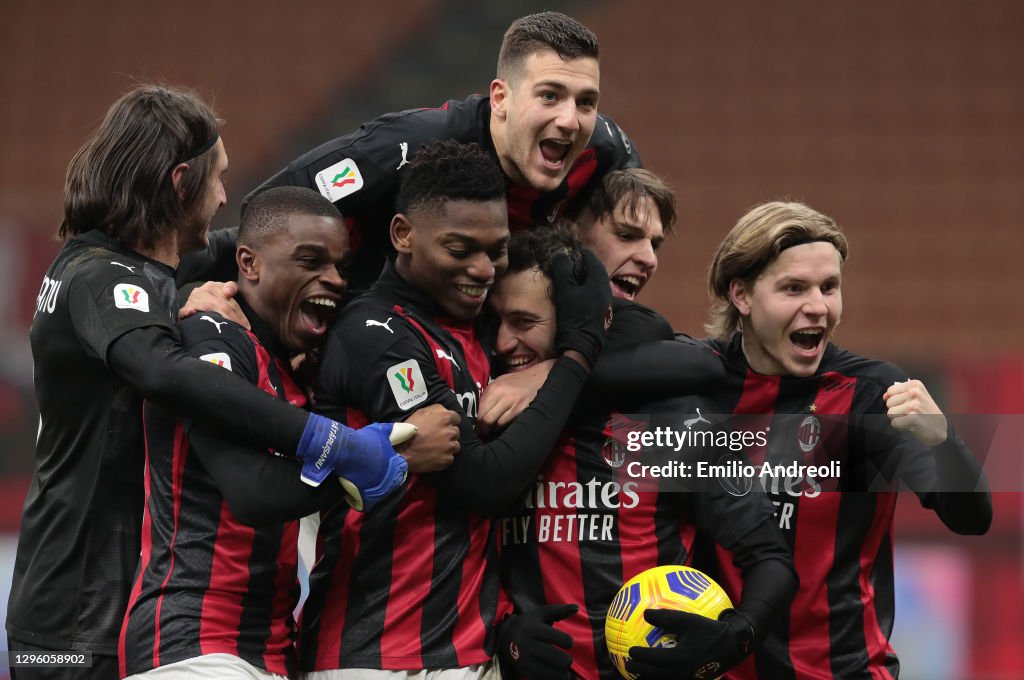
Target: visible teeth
x: 519, y: 361
x: 325, y: 302
x: 473, y: 291
x: 809, y: 332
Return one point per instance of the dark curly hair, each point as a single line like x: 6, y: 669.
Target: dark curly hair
x: 537, y: 247
x: 447, y: 170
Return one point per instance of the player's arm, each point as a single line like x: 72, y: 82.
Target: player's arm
x: 510, y: 394
x: 621, y: 149
x: 660, y: 369
x: 920, y: 447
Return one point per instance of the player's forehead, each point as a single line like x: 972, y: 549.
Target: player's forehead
x: 482, y: 224
x: 546, y: 67
x: 806, y: 262
x: 524, y: 290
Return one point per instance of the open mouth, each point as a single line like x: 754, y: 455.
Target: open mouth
x: 554, y: 153
x: 627, y: 286
x: 808, y: 339
x: 317, y: 313
x: 477, y: 292
x: 518, y: 362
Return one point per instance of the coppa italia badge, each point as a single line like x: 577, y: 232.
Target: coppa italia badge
x: 616, y: 431
x: 127, y: 296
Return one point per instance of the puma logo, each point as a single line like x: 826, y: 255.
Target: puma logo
x: 404, y: 146
x: 693, y: 421
x: 218, y: 324
x: 382, y: 324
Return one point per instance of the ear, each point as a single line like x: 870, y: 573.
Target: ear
x: 739, y: 296
x: 176, y: 174
x: 500, y: 91
x: 402, y: 234
x: 248, y: 263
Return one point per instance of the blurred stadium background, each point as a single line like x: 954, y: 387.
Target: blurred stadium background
x: 902, y: 120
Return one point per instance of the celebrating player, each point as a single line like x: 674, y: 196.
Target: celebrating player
x: 587, y: 513
x: 624, y: 220
x: 139, y: 193
x: 776, y: 279
x: 201, y: 556
x: 540, y: 123
x: 413, y: 585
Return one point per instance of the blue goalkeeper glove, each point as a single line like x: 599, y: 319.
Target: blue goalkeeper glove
x: 369, y: 467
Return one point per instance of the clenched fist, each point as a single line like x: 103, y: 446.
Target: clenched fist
x: 436, y: 441
x: 912, y: 409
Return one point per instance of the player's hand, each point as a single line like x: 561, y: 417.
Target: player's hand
x: 509, y: 395
x: 912, y: 409
x: 369, y: 467
x: 706, y: 648
x: 582, y: 305
x: 436, y: 441
x: 531, y: 645
x: 217, y: 297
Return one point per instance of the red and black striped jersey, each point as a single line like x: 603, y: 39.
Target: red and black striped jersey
x: 359, y: 172
x: 839, y: 528
x: 414, y: 583
x: 593, y: 521
x: 79, y: 540
x: 208, y: 583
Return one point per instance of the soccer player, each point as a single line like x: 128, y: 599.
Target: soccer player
x: 777, y: 284
x: 217, y: 582
x: 413, y: 585
x: 588, y: 525
x: 540, y: 123
x: 139, y: 193
x: 625, y: 219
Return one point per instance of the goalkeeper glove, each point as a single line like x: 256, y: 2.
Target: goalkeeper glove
x: 369, y: 466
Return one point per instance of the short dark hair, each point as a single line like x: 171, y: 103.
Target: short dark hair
x: 447, y: 170
x: 568, y: 38
x: 537, y: 247
x: 632, y: 185
x: 267, y: 213
x: 120, y: 181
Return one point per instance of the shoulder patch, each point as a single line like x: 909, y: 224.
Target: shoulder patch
x: 339, y: 180
x: 407, y: 384
x: 129, y: 296
x: 219, y: 358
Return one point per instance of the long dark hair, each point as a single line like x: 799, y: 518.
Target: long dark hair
x: 120, y: 180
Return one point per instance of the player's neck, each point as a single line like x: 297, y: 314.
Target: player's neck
x: 165, y: 251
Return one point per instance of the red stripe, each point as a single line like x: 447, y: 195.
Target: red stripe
x: 412, y: 567
x: 180, y: 457
x: 444, y: 367
x: 470, y: 629
x: 278, y: 643
x: 757, y: 403
x: 292, y: 392
x: 144, y: 557
x: 332, y: 617
x: 229, y: 581
x: 878, y: 646
x: 559, y: 557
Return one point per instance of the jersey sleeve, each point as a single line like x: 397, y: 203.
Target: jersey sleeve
x: 619, y: 150
x: 105, y: 302
x: 212, y: 338
x: 388, y: 382
x: 359, y: 171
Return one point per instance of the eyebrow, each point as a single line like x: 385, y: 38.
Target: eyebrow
x: 470, y: 241
x: 555, y: 85
x: 315, y: 248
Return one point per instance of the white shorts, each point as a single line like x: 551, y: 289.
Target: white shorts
x: 208, y: 667
x: 485, y: 671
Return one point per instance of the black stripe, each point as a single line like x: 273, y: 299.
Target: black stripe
x: 440, y: 610
x: 257, y: 603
